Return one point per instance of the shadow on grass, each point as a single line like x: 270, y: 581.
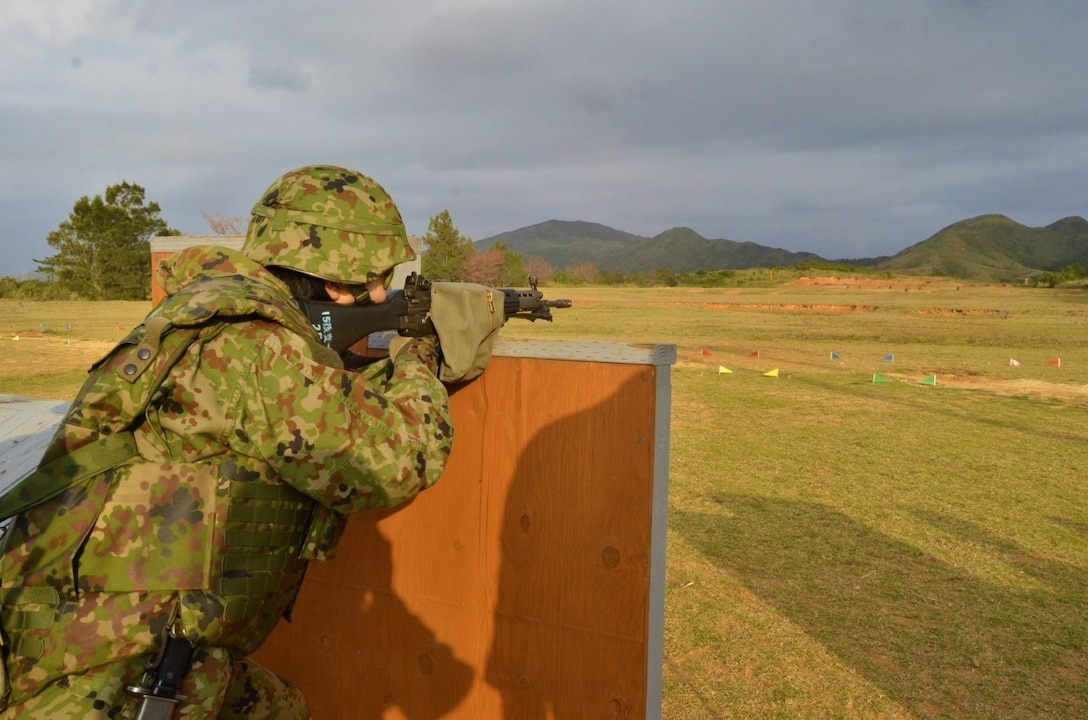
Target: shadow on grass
x: 936, y: 640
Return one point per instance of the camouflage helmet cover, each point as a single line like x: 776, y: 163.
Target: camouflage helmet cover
x: 330, y: 222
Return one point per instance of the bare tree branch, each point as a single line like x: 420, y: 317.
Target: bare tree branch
x: 224, y: 224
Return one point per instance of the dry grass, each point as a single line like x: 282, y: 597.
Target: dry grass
x: 838, y: 548
x: 46, y: 347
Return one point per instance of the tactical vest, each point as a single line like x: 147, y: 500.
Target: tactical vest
x: 106, y: 545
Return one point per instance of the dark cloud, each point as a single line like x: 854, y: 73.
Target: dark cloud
x: 843, y: 127
x: 291, y: 79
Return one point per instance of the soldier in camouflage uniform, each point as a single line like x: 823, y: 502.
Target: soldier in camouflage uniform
x: 208, y: 457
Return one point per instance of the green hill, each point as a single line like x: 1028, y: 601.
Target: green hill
x: 684, y: 250
x: 994, y: 248
x: 988, y: 248
x: 565, y: 244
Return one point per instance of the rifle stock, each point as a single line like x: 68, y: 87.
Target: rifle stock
x: 407, y: 312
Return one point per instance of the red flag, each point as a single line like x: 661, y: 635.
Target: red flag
x: 755, y: 354
x: 1056, y: 361
x: 704, y: 351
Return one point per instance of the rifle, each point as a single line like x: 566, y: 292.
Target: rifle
x: 408, y: 312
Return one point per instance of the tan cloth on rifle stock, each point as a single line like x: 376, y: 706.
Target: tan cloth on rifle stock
x: 467, y: 318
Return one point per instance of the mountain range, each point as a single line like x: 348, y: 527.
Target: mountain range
x: 987, y: 248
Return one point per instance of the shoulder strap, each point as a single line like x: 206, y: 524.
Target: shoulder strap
x: 66, y: 471
x: 124, y: 381
x: 154, y: 346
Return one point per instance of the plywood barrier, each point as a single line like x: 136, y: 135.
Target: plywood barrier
x: 528, y: 583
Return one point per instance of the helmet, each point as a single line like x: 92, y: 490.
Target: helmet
x: 330, y: 222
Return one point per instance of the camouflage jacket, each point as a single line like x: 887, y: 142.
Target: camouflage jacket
x: 249, y: 444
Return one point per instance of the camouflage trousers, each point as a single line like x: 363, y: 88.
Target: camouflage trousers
x: 216, y: 687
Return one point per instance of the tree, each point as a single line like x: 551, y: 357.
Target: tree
x: 539, y: 268
x: 512, y: 273
x: 104, y: 248
x: 585, y: 271
x: 446, y: 250
x: 224, y: 224
x: 483, y: 267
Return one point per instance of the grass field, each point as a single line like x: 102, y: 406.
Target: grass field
x: 838, y: 547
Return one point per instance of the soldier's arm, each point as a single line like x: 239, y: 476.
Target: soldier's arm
x: 350, y: 440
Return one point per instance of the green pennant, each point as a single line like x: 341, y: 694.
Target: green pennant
x: 879, y: 378
x: 931, y: 380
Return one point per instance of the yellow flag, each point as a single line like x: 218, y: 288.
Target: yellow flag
x: 722, y: 370
x: 771, y: 373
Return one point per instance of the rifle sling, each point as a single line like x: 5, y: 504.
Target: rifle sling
x: 68, y: 470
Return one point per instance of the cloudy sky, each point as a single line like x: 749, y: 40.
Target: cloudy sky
x: 849, y: 128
